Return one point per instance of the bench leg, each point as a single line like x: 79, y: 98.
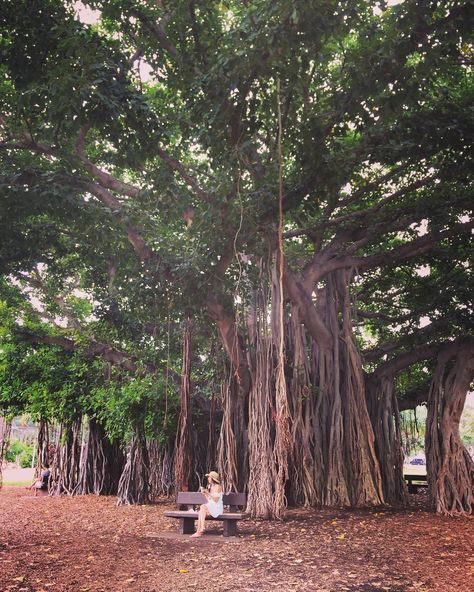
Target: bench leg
x: 186, y: 525
x: 230, y: 528
x: 412, y: 488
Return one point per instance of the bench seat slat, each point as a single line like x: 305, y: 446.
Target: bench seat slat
x: 415, y: 481
x: 225, y: 516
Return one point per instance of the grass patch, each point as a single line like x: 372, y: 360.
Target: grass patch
x: 17, y: 483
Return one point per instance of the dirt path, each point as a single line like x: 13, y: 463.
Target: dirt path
x: 88, y: 544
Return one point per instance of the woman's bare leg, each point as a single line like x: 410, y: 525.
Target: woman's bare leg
x: 202, y: 518
x: 201, y: 525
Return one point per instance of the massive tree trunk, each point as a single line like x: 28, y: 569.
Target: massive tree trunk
x: 101, y: 463
x: 161, y: 469
x: 343, y: 437
x: 270, y: 441
x: 385, y: 418
x: 352, y: 469
x: 134, y: 481
x: 66, y: 463
x: 270, y: 436
x: 43, y: 446
x: 306, y: 463
x: 5, y: 431
x: 283, y: 444
x: 384, y: 414
x: 449, y: 465
x: 232, y: 447
x: 261, y: 465
x: 183, y: 460
x: 233, y: 443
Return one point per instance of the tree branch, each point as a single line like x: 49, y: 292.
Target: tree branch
x: 93, y: 350
x: 416, y: 247
x: 36, y: 281
x: 402, y: 361
x: 362, y: 213
x: 423, y: 352
x: 414, y: 397
x: 299, y: 295
x: 157, y: 31
x: 320, y: 267
x: 106, y: 180
x: 139, y: 244
x: 179, y: 167
x: 369, y: 314
x: 408, y: 342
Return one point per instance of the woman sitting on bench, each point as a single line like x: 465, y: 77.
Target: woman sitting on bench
x: 41, y: 484
x: 214, y: 505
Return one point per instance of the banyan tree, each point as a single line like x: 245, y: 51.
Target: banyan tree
x: 286, y: 174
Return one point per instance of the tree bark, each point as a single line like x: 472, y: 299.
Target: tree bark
x: 261, y: 465
x: 350, y: 472
x: 233, y: 440
x: 306, y: 463
x: 385, y: 418
x: 66, y: 463
x: 101, y: 464
x: 5, y: 431
x: 161, y: 469
x: 43, y: 446
x: 134, y: 481
x: 450, y: 468
x: 283, y: 443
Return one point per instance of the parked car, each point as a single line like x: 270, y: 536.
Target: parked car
x: 418, y: 461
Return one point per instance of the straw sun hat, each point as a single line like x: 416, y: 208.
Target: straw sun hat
x: 214, y: 476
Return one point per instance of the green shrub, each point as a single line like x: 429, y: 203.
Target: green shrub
x: 22, y: 451
x: 26, y: 458
x: 14, y: 450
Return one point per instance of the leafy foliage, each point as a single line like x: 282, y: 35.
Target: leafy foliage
x: 100, y: 165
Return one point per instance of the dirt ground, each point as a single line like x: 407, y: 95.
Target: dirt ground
x: 88, y: 544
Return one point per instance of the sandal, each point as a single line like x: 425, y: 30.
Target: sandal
x: 197, y: 534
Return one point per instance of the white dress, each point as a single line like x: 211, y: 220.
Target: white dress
x: 216, y: 508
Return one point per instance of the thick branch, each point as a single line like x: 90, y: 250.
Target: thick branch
x: 369, y: 314
x: 179, y: 167
x: 409, y: 341
x: 302, y: 298
x: 395, y: 365
x: 134, y: 237
x: 414, y: 397
x: 416, y: 247
x: 362, y: 213
x: 423, y: 352
x: 95, y: 349
x: 157, y: 31
x: 320, y: 268
x: 106, y: 180
x: 232, y: 341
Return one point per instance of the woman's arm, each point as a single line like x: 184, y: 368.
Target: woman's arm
x: 214, y: 495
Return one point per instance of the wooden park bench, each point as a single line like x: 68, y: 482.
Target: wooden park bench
x: 411, y: 479
x: 187, y: 516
